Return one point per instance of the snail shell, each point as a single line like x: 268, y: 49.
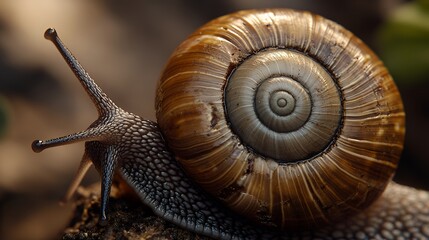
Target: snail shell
x: 286, y: 117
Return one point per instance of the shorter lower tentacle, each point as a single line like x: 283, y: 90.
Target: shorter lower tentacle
x: 84, y: 166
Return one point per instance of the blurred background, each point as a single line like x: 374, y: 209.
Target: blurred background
x: 125, y: 47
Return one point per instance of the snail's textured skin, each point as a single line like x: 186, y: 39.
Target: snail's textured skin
x: 363, y: 148
x: 400, y: 213
x: 160, y: 182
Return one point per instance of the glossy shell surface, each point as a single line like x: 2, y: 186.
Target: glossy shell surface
x: 354, y: 132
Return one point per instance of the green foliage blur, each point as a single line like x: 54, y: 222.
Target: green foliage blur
x: 404, y: 43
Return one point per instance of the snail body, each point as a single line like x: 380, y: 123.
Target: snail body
x: 244, y: 83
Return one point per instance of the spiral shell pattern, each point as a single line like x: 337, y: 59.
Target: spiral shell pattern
x: 283, y: 99
x: 320, y: 125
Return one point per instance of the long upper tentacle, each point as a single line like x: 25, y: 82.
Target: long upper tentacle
x: 99, y: 98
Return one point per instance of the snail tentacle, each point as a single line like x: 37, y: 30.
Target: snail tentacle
x: 103, y: 104
x: 108, y: 161
x: 84, y: 166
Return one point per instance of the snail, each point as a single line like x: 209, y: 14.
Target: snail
x: 270, y: 122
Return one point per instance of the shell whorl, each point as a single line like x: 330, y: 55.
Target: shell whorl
x: 279, y: 99
x: 349, y: 116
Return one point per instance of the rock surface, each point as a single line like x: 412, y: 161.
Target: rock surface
x: 128, y: 218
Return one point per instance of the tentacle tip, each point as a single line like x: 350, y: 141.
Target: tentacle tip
x: 103, y: 220
x: 51, y: 34
x: 37, y: 146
